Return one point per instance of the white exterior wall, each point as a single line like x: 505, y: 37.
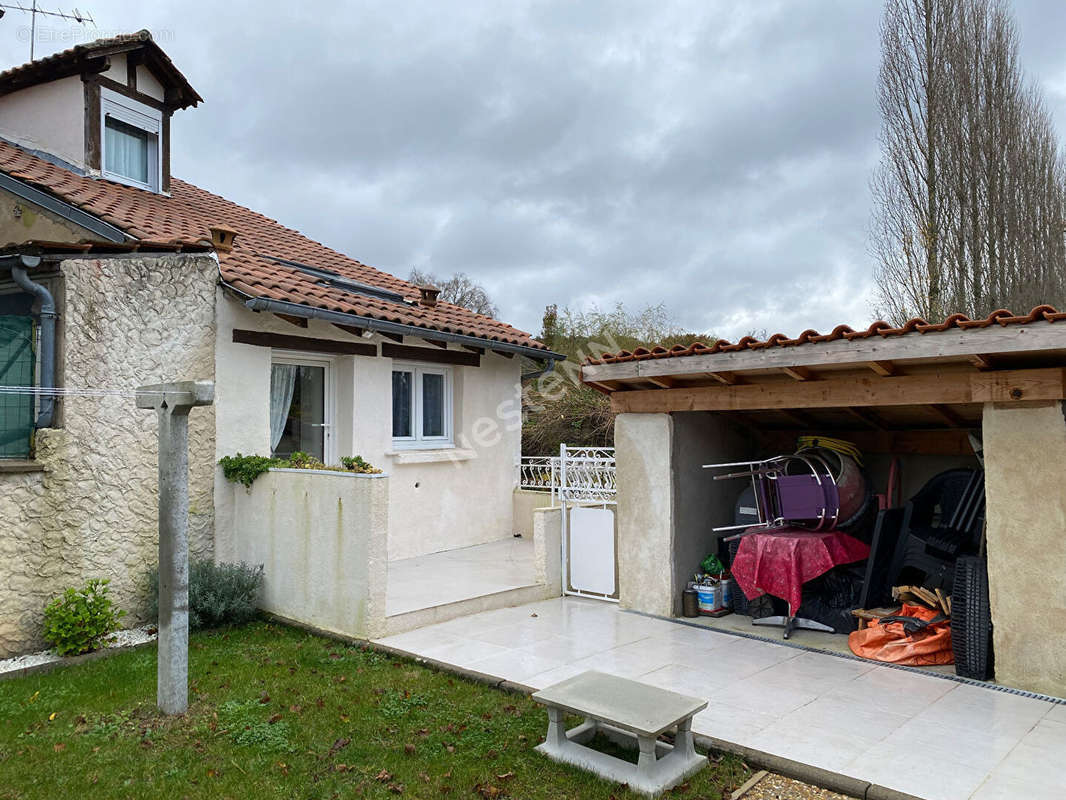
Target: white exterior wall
x: 92, y: 512
x: 438, y: 500
x: 321, y: 539
x: 48, y: 117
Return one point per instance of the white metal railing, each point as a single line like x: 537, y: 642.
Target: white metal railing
x: 577, y: 473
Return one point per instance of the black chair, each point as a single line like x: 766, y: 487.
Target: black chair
x: 877, y: 582
x: 940, y: 523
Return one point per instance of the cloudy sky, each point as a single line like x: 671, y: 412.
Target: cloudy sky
x: 708, y: 155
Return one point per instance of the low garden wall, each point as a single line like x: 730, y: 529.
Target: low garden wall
x: 322, y: 538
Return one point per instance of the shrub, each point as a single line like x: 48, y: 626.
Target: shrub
x: 75, y: 621
x: 219, y: 594
x: 245, y: 469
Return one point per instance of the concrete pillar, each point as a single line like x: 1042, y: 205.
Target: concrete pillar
x: 1025, y: 465
x: 644, y: 456
x: 172, y: 402
x: 548, y: 547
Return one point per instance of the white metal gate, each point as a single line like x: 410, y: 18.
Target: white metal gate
x: 582, y: 482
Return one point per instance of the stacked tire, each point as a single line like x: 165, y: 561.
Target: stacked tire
x: 971, y: 619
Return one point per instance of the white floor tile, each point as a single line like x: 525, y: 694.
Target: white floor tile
x: 463, y: 653
x: 849, y: 719
x: 553, y: 676
x: 731, y: 724
x: 974, y: 745
x: 919, y: 773
x: 996, y: 787
x: 967, y: 705
x: 893, y: 690
x: 1057, y: 713
x: 828, y: 749
x: 515, y: 665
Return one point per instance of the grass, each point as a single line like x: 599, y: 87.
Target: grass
x: 277, y: 712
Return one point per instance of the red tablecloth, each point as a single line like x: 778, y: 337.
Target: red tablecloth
x: 780, y: 561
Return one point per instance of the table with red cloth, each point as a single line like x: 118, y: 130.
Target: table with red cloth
x: 779, y: 561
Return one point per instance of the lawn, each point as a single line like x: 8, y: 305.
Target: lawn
x: 278, y: 712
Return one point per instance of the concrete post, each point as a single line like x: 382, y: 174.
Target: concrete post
x: 172, y: 402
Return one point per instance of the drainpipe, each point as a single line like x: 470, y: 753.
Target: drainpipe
x: 47, y: 317
x: 528, y: 376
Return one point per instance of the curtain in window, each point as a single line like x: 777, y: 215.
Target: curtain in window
x: 282, y: 381
x: 126, y: 150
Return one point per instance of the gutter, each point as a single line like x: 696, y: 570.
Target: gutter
x: 384, y: 326
x: 47, y: 317
x: 65, y: 210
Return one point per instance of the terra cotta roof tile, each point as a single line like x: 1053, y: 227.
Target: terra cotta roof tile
x: 184, y: 218
x: 881, y: 328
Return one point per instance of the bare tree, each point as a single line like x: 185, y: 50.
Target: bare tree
x: 969, y: 197
x: 459, y: 289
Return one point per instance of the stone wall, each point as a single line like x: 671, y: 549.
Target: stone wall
x: 91, y: 512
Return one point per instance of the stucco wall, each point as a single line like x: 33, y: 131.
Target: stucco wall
x: 321, y: 540
x: 457, y: 499
x: 21, y: 221
x: 644, y: 452
x: 1025, y: 461
x: 92, y: 513
x: 48, y: 117
x: 526, y: 502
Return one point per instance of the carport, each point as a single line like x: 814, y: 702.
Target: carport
x: 913, y: 392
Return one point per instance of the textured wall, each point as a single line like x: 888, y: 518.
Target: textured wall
x: 92, y: 512
x: 321, y: 539
x: 1025, y: 459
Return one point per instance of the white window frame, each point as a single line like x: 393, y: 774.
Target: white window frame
x: 418, y: 441
x: 142, y: 117
x: 329, y: 419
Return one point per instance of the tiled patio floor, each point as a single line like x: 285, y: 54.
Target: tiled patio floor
x: 454, y: 575
x: 919, y: 734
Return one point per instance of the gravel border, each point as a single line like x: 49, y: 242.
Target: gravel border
x: 47, y: 660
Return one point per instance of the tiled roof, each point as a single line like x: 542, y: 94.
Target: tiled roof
x: 186, y: 215
x: 880, y: 328
x: 72, y: 60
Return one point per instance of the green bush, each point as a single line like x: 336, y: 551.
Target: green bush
x: 219, y: 594
x: 75, y: 621
x: 245, y: 469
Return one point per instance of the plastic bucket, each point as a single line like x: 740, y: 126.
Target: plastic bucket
x: 710, y: 597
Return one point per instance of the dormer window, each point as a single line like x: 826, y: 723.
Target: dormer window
x: 131, y: 141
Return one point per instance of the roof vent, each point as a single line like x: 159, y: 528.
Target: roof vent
x: 428, y: 296
x: 222, y: 237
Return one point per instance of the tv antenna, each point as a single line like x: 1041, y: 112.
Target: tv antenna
x: 81, y: 17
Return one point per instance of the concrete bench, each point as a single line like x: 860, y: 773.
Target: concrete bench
x: 631, y: 714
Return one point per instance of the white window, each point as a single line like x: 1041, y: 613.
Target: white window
x: 301, y: 407
x: 421, y: 406
x: 130, y: 133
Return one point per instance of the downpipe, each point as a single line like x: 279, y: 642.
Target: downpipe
x: 47, y: 317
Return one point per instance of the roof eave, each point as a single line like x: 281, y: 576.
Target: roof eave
x: 915, y: 347
x: 385, y: 326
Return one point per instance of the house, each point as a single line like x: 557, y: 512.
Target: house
x: 911, y: 394
x: 116, y: 274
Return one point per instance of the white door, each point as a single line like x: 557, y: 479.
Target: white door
x: 589, y: 543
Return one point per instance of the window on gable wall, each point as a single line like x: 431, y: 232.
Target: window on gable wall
x: 421, y: 406
x: 131, y: 133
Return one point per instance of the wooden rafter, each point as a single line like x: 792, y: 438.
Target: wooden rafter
x: 950, y: 417
x: 1005, y: 386
x: 299, y: 322
x: 885, y: 369
x: 981, y: 361
x: 799, y: 373
x: 868, y: 417
x: 728, y: 378
x: 663, y: 382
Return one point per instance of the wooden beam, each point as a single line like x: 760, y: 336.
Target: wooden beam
x: 982, y: 361
x: 436, y: 343
x: 885, y: 369
x: 299, y: 322
x: 1008, y: 386
x: 406, y: 353
x: 602, y: 388
x: 664, y: 382
x: 479, y: 350
x: 396, y: 337
x: 799, y: 373
x: 280, y: 341
x: 504, y: 353
x: 801, y: 419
